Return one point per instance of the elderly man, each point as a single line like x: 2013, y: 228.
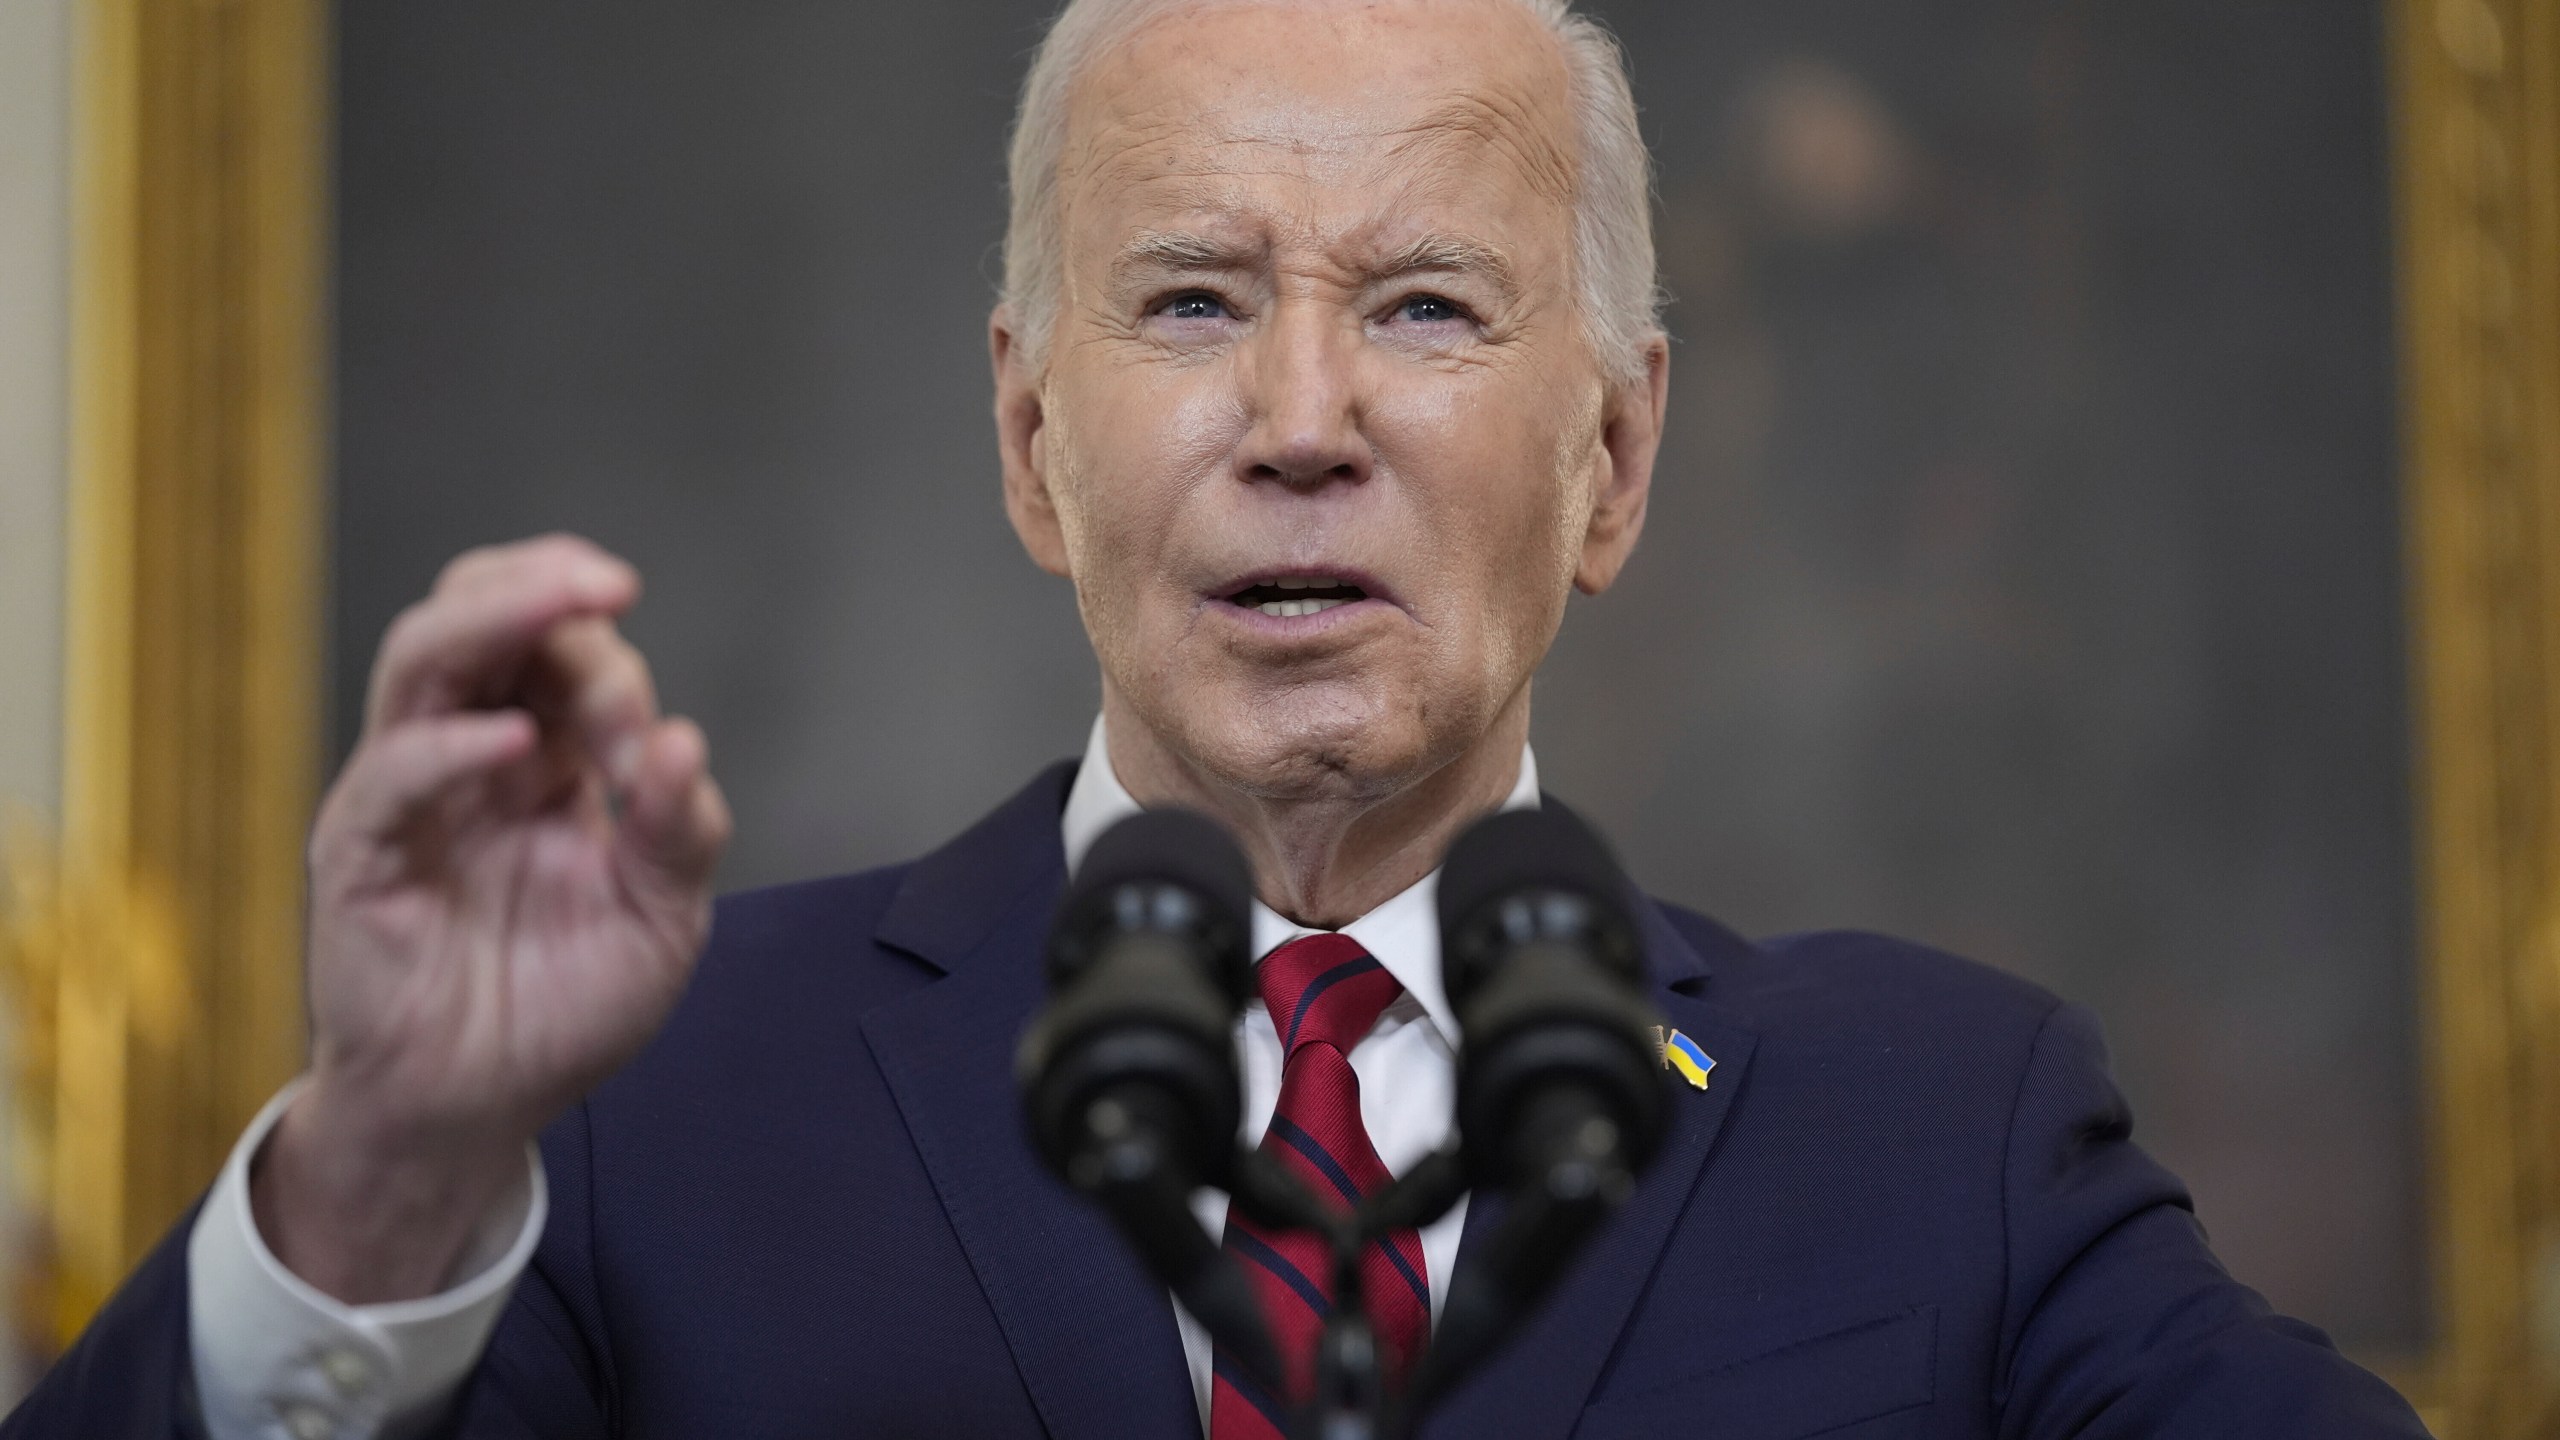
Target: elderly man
x: 1327, y: 366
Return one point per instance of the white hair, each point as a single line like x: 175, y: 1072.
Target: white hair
x: 1612, y: 187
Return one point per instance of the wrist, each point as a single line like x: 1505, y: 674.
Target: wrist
x: 371, y: 1207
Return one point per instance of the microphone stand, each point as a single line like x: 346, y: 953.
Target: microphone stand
x: 1568, y: 1172
x: 1125, y: 1167
x: 1541, y: 1229
x: 1579, y: 1178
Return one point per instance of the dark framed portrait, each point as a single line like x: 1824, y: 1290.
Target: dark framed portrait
x: 2023, y: 575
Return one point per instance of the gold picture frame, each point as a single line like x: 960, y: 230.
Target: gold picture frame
x: 2477, y: 188
x: 156, y: 948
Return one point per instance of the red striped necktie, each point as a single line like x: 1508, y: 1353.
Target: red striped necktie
x: 1325, y: 994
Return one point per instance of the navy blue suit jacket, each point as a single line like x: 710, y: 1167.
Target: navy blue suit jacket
x: 1908, y: 1206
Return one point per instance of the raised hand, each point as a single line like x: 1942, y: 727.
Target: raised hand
x: 509, y: 884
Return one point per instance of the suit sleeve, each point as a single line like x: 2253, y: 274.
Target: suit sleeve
x: 2118, y: 1323
x: 132, y: 1374
x: 549, y: 1371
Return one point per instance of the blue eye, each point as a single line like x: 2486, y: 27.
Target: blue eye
x: 1196, y: 305
x: 1430, y: 309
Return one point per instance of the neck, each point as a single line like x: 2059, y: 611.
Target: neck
x: 1326, y: 860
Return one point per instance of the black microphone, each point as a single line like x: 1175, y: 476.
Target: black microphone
x: 1128, y: 1077
x: 1560, y: 1082
x: 1133, y: 1062
x: 1561, y: 1097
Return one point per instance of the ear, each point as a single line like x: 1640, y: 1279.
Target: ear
x: 1630, y: 437
x: 1021, y: 435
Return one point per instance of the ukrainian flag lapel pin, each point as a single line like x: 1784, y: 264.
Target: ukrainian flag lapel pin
x: 1681, y: 1053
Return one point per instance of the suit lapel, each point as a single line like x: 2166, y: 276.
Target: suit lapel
x: 1092, y: 1336
x: 1575, y: 1333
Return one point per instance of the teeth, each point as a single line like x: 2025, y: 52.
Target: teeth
x: 1289, y: 609
x: 1311, y: 582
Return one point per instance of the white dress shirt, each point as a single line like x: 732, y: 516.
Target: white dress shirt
x: 276, y: 1359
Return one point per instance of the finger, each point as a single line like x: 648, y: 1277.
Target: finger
x: 477, y: 566
x: 674, y: 816
x: 591, y: 684
x: 461, y: 645
x: 399, y: 772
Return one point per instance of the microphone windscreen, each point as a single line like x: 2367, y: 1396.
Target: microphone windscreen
x: 1549, y: 848
x: 1175, y: 847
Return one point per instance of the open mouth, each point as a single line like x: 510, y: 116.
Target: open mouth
x: 1296, y: 595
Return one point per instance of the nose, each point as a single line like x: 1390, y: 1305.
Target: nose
x: 1303, y: 397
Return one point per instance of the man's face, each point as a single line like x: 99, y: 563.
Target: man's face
x: 1320, y: 437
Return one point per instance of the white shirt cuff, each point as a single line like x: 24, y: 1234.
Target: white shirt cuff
x: 276, y: 1359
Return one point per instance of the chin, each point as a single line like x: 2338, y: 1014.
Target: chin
x: 1311, y: 743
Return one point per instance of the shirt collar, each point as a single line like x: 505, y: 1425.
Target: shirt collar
x: 1403, y: 933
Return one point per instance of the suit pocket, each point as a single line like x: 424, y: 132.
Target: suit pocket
x: 1804, y: 1388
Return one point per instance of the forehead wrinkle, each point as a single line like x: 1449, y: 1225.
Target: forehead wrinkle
x: 1192, y: 250
x: 1501, y: 119
x: 1131, y: 115
x: 1175, y: 161
x: 1207, y: 208
x: 1123, y: 123
x: 1203, y: 161
x: 1164, y: 178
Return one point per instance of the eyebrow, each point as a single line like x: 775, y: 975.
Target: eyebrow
x: 1189, y: 250
x: 1184, y: 250
x: 1456, y: 253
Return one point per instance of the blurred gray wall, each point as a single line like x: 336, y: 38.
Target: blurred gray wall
x: 2022, y: 575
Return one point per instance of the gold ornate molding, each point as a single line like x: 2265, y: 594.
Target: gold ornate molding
x: 2478, y: 173
x: 157, y: 951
